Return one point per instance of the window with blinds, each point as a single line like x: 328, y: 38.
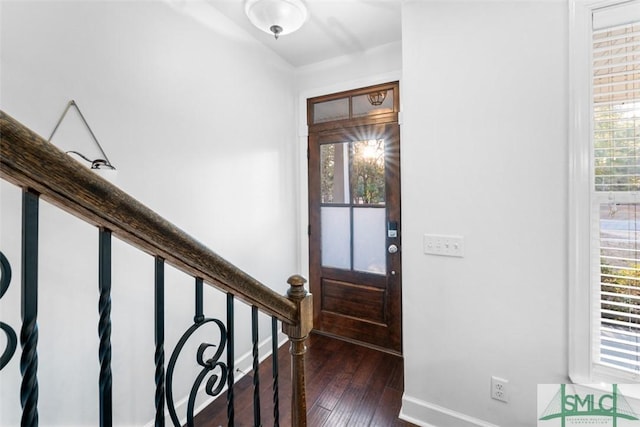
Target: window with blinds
x: 616, y: 106
x: 615, y: 198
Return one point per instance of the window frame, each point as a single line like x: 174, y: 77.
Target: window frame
x: 583, y: 306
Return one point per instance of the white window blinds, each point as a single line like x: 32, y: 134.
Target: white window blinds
x: 616, y: 107
x: 616, y: 207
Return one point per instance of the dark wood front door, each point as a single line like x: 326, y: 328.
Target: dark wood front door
x: 354, y: 215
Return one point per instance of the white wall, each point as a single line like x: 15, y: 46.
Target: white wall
x: 484, y: 156
x: 343, y: 72
x: 198, y: 119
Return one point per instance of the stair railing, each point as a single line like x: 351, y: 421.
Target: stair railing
x: 44, y: 171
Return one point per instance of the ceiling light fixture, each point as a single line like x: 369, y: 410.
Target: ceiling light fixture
x: 377, y: 98
x: 277, y: 17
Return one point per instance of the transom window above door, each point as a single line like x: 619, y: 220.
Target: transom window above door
x: 379, y: 102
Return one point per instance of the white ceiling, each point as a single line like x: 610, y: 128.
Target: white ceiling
x: 334, y: 28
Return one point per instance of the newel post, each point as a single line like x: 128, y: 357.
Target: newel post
x: 298, y: 334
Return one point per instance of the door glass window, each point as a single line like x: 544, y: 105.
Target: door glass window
x: 367, y: 172
x: 336, y: 231
x: 353, y: 213
x: 334, y: 176
x: 369, y: 240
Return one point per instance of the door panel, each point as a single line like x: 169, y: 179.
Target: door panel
x: 354, y: 214
x: 351, y: 299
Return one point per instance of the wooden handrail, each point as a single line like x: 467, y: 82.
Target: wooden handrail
x: 29, y: 161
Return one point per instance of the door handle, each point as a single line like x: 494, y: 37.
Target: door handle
x: 392, y: 249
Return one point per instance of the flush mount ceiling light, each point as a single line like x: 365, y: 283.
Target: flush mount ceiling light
x: 277, y: 17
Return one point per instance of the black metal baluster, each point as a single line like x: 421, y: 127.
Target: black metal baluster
x: 104, y: 327
x: 199, y: 316
x: 29, y: 331
x: 256, y: 367
x: 159, y: 341
x: 274, y: 370
x: 230, y: 362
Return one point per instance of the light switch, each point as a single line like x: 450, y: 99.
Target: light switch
x: 436, y: 244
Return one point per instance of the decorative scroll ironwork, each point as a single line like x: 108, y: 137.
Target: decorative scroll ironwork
x: 216, y: 382
x: 12, y: 339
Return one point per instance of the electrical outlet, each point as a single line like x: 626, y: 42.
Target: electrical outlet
x: 499, y: 389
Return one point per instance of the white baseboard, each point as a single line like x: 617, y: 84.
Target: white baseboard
x: 426, y: 414
x: 243, y: 366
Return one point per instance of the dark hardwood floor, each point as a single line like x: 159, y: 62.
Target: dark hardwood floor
x: 347, y: 385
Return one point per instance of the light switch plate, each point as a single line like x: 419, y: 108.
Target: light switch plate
x: 436, y: 244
